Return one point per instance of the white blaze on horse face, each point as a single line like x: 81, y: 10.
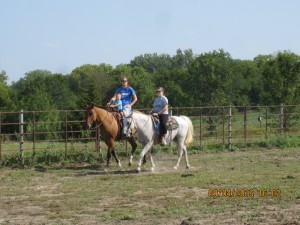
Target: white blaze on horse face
x: 89, y: 119
x: 127, y: 123
x: 127, y: 126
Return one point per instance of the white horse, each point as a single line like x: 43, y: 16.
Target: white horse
x: 148, y: 136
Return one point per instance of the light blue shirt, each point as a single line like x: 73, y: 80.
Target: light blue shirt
x: 159, y: 104
x: 120, y: 106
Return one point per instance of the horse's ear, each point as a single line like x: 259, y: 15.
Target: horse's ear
x: 89, y: 106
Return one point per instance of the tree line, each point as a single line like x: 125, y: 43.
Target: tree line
x: 189, y: 79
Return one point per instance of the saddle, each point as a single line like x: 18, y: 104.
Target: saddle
x: 171, y: 123
x: 119, y: 117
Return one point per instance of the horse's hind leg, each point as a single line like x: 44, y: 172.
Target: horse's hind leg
x: 180, y: 152
x: 107, y: 160
x: 186, y: 157
x: 115, y: 156
x: 182, y: 149
x: 151, y: 160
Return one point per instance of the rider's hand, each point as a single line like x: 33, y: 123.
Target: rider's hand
x: 154, y: 114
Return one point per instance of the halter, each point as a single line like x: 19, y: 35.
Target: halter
x: 130, y: 116
x: 93, y: 128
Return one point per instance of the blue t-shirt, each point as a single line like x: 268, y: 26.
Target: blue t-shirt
x: 127, y: 94
x: 120, y: 106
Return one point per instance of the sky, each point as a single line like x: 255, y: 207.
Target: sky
x: 61, y: 35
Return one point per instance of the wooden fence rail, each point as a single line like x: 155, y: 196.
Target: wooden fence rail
x: 220, y: 125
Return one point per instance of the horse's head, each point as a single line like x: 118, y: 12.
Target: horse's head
x: 128, y: 123
x: 90, y: 115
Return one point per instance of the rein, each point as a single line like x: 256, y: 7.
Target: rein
x: 93, y: 128
x: 133, y: 120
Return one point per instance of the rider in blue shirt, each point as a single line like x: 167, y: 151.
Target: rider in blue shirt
x: 128, y: 98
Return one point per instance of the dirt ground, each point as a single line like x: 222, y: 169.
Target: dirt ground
x: 85, y: 194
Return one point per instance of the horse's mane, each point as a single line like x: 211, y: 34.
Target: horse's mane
x: 101, y: 107
x: 137, y: 111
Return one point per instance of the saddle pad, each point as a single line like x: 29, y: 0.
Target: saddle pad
x: 172, y: 123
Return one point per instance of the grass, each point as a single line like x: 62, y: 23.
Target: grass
x: 82, y: 193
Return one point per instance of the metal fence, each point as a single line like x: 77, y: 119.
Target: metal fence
x: 222, y: 125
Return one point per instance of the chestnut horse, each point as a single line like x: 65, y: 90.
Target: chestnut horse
x: 109, y: 130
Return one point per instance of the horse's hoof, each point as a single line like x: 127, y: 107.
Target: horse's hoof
x: 188, y: 166
x: 119, y: 164
x: 129, y: 164
x: 105, y: 169
x: 152, y: 169
x: 138, y: 170
x: 175, y: 167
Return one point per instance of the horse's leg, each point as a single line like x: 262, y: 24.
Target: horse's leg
x: 108, y: 158
x: 151, y: 160
x: 111, y: 151
x: 115, y: 156
x: 186, y: 157
x: 180, y: 147
x: 133, y: 148
x: 144, y: 151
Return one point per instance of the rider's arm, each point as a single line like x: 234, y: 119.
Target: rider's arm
x: 165, y: 108
x: 134, y: 99
x: 112, y: 99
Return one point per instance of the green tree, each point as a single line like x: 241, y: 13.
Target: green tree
x: 152, y: 62
x: 141, y: 82
x: 3, y: 77
x: 183, y: 59
x: 42, y: 90
x: 210, y: 79
x: 91, y: 83
x: 246, y: 83
x: 280, y: 77
x: 6, y: 102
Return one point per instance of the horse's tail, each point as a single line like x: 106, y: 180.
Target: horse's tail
x: 190, y: 134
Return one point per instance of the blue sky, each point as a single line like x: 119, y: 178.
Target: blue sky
x: 60, y: 35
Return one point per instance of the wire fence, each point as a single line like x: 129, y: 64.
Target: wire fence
x: 221, y: 125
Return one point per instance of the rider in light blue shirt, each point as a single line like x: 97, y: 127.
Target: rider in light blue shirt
x: 117, y: 104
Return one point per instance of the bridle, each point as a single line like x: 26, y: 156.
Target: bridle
x: 93, y: 114
x: 132, y: 120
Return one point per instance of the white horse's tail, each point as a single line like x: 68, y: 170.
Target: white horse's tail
x: 190, y: 134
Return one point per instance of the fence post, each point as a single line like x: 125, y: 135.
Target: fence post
x: 21, y: 131
x: 66, y: 134
x: 281, y: 118
x: 266, y: 122
x: 245, y: 125
x: 0, y: 139
x: 33, y: 133
x: 200, y: 133
x: 171, y: 111
x: 229, y: 128
x: 223, y: 117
